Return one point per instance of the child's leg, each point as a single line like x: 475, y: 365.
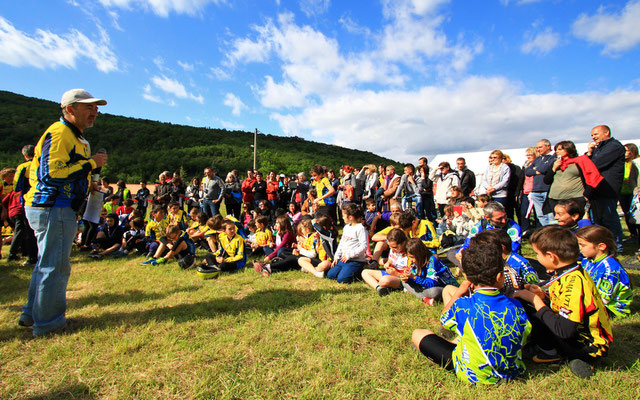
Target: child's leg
x: 323, y: 266
x: 448, y: 292
x: 228, y: 266
x: 305, y: 264
x: 378, y: 249
x: 420, y: 292
x: 160, y: 251
x: 288, y: 264
x: 176, y: 250
x: 335, y: 271
x: 434, y: 347
x: 349, y: 271
x: 390, y: 281
x: 372, y: 277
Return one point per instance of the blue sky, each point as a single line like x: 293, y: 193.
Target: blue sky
x: 401, y: 78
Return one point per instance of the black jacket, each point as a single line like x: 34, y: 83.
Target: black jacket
x: 467, y: 181
x: 608, y: 156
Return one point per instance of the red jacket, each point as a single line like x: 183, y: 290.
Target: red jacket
x: 247, y: 194
x: 12, y: 202
x: 272, y: 190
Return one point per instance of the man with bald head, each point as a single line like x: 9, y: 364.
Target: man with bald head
x: 608, y: 155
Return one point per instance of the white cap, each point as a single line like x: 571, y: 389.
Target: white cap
x: 79, y: 96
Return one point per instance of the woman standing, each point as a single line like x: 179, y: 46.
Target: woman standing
x: 525, y: 205
x: 496, y: 178
x: 232, y: 195
x: 567, y: 176
x: 193, y: 194
x: 444, y: 178
x: 629, y: 184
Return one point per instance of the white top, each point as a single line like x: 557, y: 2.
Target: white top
x: 353, y: 243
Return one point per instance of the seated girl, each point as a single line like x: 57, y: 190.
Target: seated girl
x: 384, y: 282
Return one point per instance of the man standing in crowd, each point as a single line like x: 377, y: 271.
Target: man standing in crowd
x: 59, y: 179
x: 608, y: 155
x: 467, y: 177
x: 247, y: 187
x: 23, y: 237
x: 537, y: 169
x: 212, y: 192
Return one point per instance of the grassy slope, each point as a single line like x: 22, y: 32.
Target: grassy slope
x: 159, y: 332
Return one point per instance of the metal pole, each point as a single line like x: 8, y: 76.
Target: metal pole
x: 255, y: 147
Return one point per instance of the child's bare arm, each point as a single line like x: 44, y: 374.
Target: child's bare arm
x: 462, y: 290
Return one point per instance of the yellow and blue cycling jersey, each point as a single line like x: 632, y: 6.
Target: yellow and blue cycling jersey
x: 434, y: 273
x: 513, y: 230
x: 492, y: 330
x: 523, y: 268
x: 60, y: 169
x: 156, y: 229
x: 232, y: 249
x: 323, y: 186
x: 264, y: 237
x: 21, y: 179
x: 427, y: 233
x: 612, y: 282
x: 191, y: 247
x: 575, y: 297
x: 180, y: 218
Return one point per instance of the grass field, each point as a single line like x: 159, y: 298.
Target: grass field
x: 163, y: 333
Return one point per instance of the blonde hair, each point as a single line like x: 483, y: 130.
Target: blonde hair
x: 532, y: 150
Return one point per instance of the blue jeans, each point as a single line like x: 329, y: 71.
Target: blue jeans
x: 54, y: 229
x: 209, y: 207
x: 538, y: 200
x: 344, y: 272
x: 604, y: 211
x: 406, y: 204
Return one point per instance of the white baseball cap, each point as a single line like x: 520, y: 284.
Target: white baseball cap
x: 79, y: 96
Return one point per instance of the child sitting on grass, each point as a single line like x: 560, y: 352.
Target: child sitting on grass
x: 491, y: 326
x: 263, y: 242
x: 285, y: 238
x: 133, y: 239
x: 229, y: 256
x: 155, y: 233
x: 385, y: 282
x: 180, y: 246
x: 326, y: 233
x: 177, y: 216
x: 308, y: 246
x: 571, y: 321
x: 350, y: 256
x: 517, y: 270
x: 426, y: 275
x: 108, y: 239
x: 598, y: 246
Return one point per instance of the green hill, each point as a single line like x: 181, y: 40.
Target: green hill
x: 140, y: 148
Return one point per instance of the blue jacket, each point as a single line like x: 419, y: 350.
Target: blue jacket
x: 541, y: 164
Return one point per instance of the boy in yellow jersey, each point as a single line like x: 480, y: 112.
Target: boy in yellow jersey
x: 420, y: 228
x: 178, y: 216
x: 155, y: 234
x: 230, y: 255
x: 325, y: 199
x: 570, y: 321
x: 180, y: 246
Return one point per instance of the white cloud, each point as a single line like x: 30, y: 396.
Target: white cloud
x: 476, y: 114
x: 237, y: 106
x: 219, y: 74
x: 232, y: 126
x: 175, y: 88
x: 353, y: 27
x: 617, y: 32
x: 314, y: 7
x: 185, y: 66
x: 540, y: 43
x: 45, y: 49
x: 163, y: 8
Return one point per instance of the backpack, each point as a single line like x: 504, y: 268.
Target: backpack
x: 348, y: 192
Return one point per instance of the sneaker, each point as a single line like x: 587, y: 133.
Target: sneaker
x: 27, y: 323
x: 319, y: 274
x: 428, y: 301
x: 266, y: 270
x: 581, y: 369
x: 160, y: 260
x: 150, y: 261
x: 384, y: 291
x: 544, y: 358
x: 125, y: 252
x: 257, y: 266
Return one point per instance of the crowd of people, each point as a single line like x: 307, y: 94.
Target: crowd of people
x: 415, y: 233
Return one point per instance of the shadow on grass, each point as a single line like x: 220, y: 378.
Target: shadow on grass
x: 11, y: 285
x: 131, y: 296
x: 77, y: 391
x: 271, y: 301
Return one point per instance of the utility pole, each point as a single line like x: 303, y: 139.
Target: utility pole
x: 255, y: 147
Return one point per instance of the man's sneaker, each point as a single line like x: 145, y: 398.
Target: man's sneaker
x: 150, y: 261
x: 545, y: 358
x: 581, y: 369
x: 160, y: 260
x: 384, y: 291
x: 24, y: 322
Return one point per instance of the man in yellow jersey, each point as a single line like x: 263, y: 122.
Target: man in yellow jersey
x: 59, y: 177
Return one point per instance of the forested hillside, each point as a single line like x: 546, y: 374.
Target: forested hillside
x: 140, y: 148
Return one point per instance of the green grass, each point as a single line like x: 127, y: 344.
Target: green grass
x: 159, y: 332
